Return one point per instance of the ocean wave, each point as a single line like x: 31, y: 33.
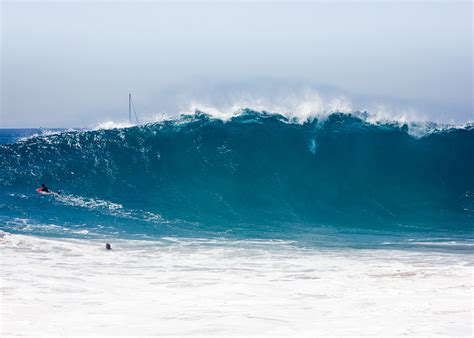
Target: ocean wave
x: 256, y: 167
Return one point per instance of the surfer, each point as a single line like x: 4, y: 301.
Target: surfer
x: 43, y: 188
x: 108, y: 246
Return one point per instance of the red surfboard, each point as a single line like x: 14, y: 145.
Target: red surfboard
x: 40, y: 191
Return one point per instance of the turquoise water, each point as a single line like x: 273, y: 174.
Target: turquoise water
x: 13, y: 135
x: 335, y: 182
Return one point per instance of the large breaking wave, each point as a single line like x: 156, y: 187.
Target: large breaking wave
x: 253, y: 170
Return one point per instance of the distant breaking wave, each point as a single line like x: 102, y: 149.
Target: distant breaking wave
x: 254, y: 168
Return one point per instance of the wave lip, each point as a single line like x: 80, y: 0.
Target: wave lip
x: 415, y: 127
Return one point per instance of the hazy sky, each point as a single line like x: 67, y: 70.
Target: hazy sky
x: 71, y: 64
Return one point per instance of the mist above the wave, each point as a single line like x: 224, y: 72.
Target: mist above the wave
x: 306, y: 104
x: 299, y: 105
x: 299, y: 101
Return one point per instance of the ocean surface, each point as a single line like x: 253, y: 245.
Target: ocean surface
x: 259, y: 224
x: 338, y: 182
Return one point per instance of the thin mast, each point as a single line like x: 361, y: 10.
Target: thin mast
x: 129, y: 108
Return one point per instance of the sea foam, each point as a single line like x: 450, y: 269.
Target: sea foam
x: 179, y: 286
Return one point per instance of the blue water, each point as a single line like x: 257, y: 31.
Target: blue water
x: 335, y: 182
x: 13, y: 135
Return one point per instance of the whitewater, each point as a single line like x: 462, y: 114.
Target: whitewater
x: 256, y: 224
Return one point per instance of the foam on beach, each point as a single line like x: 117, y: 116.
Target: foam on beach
x: 178, y: 286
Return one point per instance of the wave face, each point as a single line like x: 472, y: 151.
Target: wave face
x: 254, y: 171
